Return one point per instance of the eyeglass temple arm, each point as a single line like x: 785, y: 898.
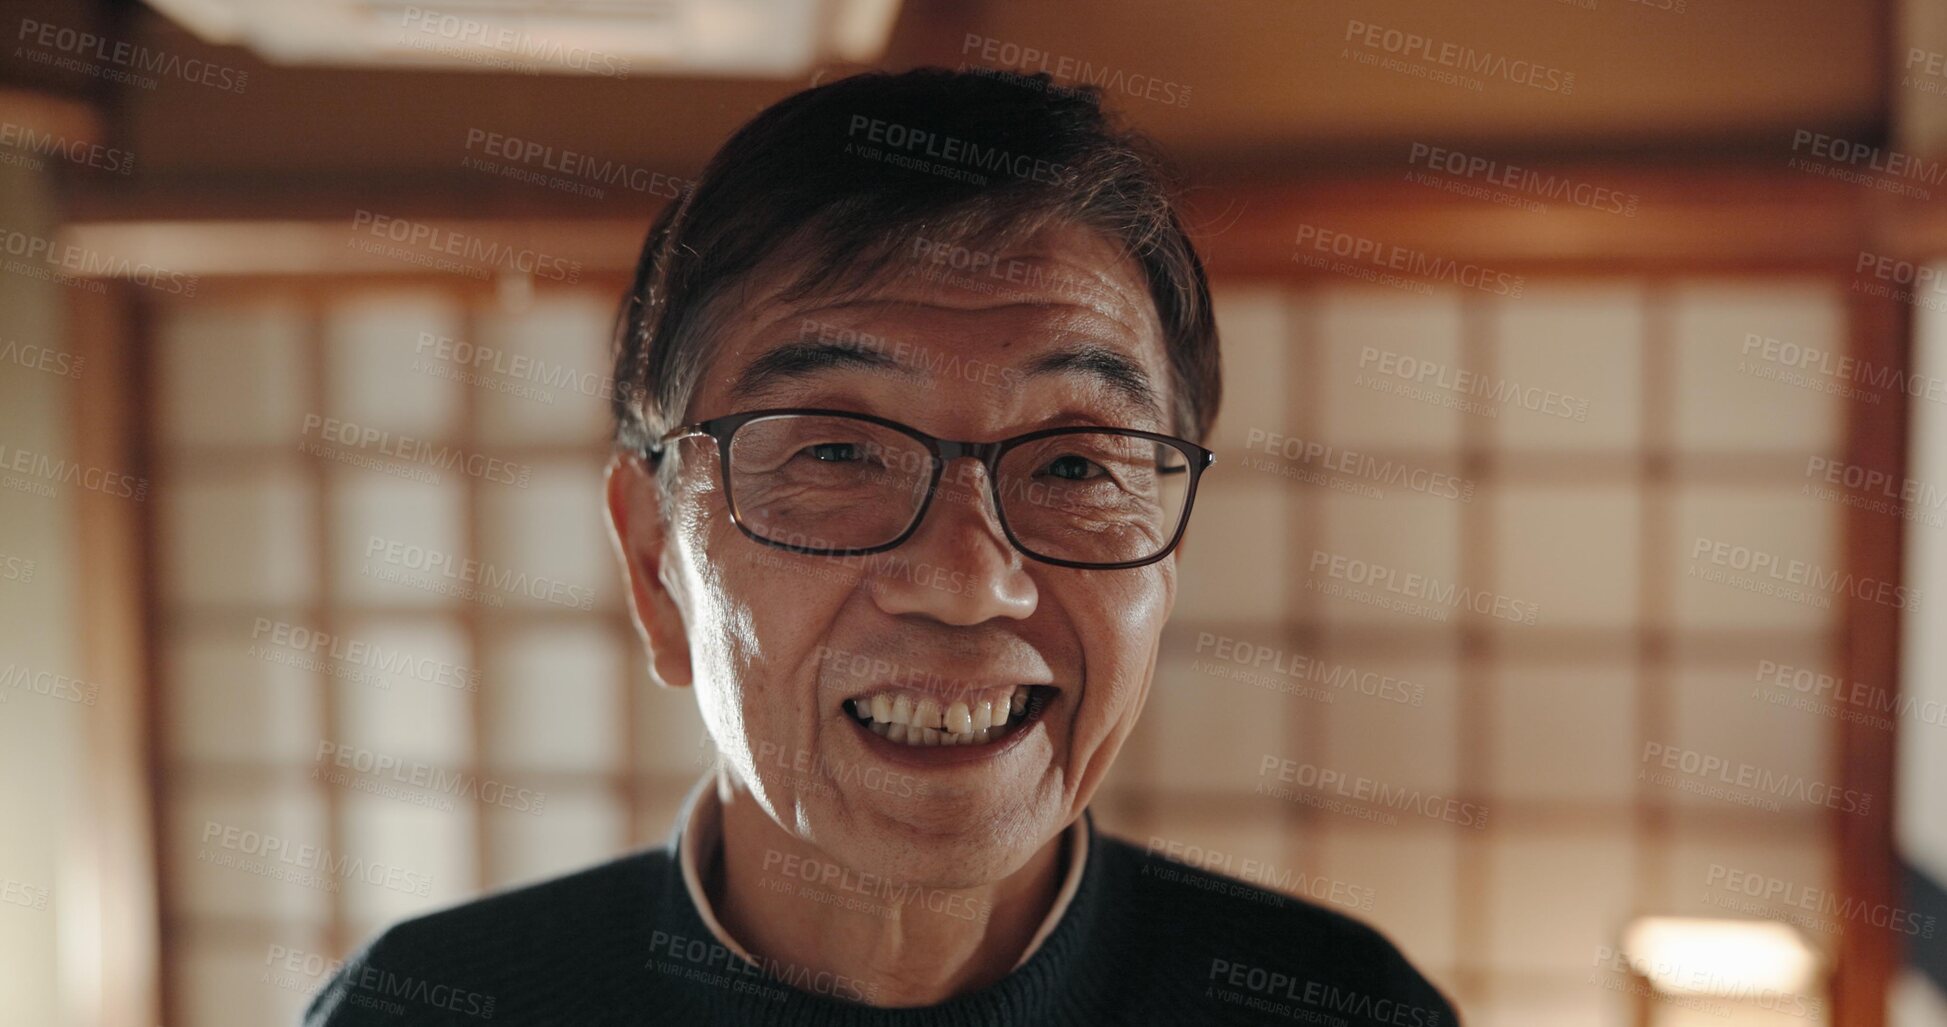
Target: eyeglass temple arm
x: 654, y: 447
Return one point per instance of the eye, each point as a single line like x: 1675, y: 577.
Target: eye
x: 833, y: 452
x: 1072, y: 468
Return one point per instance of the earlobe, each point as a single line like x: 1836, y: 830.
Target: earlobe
x: 636, y: 528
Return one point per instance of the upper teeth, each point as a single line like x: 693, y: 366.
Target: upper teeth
x: 925, y: 722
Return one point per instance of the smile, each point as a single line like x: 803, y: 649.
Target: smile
x: 982, y: 719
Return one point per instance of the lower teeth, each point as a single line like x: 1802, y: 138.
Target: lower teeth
x: 907, y: 734
x: 929, y: 736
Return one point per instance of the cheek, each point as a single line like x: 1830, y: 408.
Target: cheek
x: 1120, y: 628
x: 1120, y: 631
x: 757, y: 617
x: 767, y: 581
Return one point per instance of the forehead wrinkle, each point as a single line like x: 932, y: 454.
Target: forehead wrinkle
x: 1106, y: 367
x: 1117, y: 311
x: 1111, y: 302
x: 808, y: 358
x: 1083, y: 347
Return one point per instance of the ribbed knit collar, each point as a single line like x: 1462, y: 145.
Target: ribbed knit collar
x: 1040, y: 989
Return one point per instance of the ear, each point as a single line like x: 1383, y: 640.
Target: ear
x: 636, y: 527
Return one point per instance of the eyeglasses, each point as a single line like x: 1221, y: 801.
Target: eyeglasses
x: 836, y: 483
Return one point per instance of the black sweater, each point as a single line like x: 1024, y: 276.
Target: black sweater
x: 1145, y: 941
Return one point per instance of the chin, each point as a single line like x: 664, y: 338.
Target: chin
x: 944, y: 845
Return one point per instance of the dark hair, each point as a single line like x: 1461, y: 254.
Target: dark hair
x: 831, y: 180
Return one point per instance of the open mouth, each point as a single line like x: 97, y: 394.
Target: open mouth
x: 980, y: 719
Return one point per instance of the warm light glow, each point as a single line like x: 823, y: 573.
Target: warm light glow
x: 1730, y: 958
x: 767, y: 38
x: 861, y: 28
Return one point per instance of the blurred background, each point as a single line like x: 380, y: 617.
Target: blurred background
x: 1562, y: 599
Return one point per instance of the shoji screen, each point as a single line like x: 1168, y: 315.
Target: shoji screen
x: 396, y: 667
x: 1442, y: 593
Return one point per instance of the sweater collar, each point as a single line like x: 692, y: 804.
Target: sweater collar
x: 698, y: 840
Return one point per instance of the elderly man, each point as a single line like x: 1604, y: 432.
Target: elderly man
x: 916, y: 374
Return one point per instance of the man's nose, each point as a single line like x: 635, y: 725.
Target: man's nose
x: 958, y: 568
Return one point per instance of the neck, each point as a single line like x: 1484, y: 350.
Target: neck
x: 904, y: 943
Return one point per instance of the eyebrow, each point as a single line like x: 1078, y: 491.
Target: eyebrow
x: 1105, y: 365
x: 795, y: 361
x: 803, y: 359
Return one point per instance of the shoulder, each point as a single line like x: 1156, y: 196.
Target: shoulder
x: 540, y: 946
x: 1248, y: 948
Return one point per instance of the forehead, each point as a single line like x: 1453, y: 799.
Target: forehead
x: 1063, y: 315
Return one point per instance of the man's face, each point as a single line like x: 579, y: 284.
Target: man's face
x: 779, y: 645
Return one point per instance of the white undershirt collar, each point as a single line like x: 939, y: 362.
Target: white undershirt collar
x: 702, y: 837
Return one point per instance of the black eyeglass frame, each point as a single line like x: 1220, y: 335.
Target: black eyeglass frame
x: 722, y: 429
